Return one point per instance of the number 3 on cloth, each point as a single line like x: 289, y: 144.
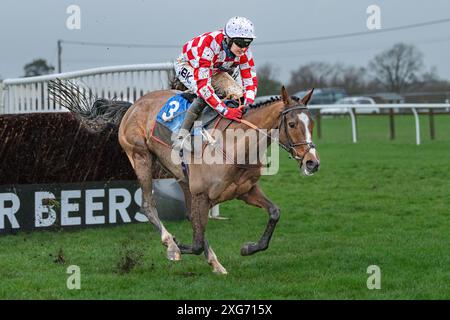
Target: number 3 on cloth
x: 168, y: 115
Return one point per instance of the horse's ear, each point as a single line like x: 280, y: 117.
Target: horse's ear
x: 284, y: 95
x: 307, y: 97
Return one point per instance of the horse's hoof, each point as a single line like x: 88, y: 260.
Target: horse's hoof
x: 249, y: 248
x: 174, y: 255
x: 219, y: 218
x: 220, y: 270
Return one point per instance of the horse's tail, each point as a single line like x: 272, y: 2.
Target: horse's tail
x: 96, y: 116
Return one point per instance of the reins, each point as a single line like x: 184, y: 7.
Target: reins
x: 290, y: 148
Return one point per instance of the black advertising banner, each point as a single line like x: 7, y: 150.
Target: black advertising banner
x: 79, y: 205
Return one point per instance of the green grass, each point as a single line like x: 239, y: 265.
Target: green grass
x: 375, y: 202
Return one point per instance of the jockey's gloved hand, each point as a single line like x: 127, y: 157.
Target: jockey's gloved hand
x: 233, y: 113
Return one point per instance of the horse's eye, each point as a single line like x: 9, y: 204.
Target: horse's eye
x: 291, y: 124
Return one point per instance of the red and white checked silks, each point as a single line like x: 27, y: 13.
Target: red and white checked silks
x: 204, y: 56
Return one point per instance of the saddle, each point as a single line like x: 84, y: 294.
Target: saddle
x: 172, y: 114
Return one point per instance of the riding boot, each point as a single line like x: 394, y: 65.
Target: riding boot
x: 191, y: 115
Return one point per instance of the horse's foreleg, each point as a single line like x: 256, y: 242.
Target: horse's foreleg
x: 257, y: 198
x: 142, y: 163
x: 212, y: 260
x: 209, y: 254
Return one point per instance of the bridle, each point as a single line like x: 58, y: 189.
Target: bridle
x: 291, y: 145
x: 290, y: 148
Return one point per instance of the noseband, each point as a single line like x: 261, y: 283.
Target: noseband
x: 291, y: 145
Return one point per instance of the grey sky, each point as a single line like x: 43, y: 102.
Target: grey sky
x: 30, y: 29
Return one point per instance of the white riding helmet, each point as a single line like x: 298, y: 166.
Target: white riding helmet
x: 239, y: 27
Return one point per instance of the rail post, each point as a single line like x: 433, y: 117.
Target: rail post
x: 416, y: 118
x: 353, y: 119
x: 431, y: 119
x: 391, y: 124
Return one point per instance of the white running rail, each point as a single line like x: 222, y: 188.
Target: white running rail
x: 414, y: 107
x: 128, y: 83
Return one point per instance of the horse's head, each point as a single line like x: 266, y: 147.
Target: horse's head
x: 296, y: 131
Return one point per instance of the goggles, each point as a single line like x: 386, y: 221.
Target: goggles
x: 242, y: 42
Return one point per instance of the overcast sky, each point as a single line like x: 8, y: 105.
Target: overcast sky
x: 29, y: 29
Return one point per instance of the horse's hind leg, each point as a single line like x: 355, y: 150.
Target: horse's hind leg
x: 187, y: 198
x: 199, y: 217
x: 257, y: 198
x: 142, y: 164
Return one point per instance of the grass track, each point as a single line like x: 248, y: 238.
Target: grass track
x: 376, y: 202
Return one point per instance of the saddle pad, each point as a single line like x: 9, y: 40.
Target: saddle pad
x: 171, y: 116
x: 173, y: 112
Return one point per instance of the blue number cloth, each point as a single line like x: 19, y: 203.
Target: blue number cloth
x: 173, y: 112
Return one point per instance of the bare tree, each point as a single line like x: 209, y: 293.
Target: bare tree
x: 323, y: 75
x: 396, y: 69
x: 431, y: 82
x: 353, y: 79
x: 267, y: 81
x: 314, y: 74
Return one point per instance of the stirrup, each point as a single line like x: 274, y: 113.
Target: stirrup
x: 180, y: 143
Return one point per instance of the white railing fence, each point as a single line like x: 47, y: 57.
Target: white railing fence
x: 413, y: 107
x: 128, y: 83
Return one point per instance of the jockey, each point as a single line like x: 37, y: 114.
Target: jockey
x: 205, y: 65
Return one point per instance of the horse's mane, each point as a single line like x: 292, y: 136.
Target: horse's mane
x: 270, y: 101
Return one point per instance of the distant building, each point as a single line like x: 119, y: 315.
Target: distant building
x: 324, y: 95
x: 427, y: 97
x: 386, y: 97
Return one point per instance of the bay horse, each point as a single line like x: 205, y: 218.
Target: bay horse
x: 205, y: 185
